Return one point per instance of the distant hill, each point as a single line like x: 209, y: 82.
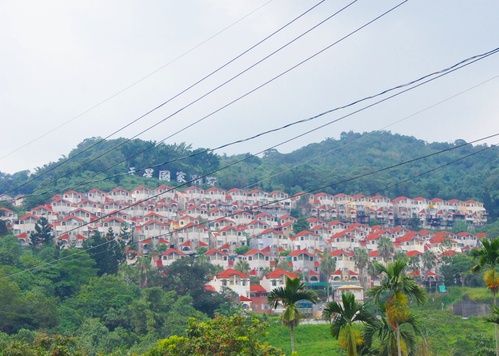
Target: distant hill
x: 348, y: 165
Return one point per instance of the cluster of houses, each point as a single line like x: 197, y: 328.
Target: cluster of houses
x: 216, y: 222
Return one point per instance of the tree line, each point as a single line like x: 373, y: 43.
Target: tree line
x: 331, y: 166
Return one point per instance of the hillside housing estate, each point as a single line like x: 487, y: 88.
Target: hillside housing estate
x: 222, y: 220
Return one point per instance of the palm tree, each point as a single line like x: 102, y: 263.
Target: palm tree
x: 429, y: 262
x: 361, y: 258
x: 488, y: 257
x: 388, y: 337
x: 242, y: 266
x: 289, y: 296
x: 399, y: 286
x: 398, y: 255
x: 414, y: 263
x: 328, y: 266
x: 385, y: 248
x: 343, y: 317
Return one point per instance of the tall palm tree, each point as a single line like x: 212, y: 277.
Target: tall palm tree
x: 242, y: 266
x: 385, y: 248
x: 289, y: 296
x: 429, y: 262
x: 488, y: 258
x: 328, y: 266
x: 388, y: 337
x: 343, y: 317
x: 361, y: 258
x: 399, y: 287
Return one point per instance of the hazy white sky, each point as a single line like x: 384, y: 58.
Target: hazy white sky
x: 61, y: 58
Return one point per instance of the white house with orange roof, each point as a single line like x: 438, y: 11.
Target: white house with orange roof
x: 191, y: 246
x: 307, y: 239
x: 322, y: 199
x: 372, y: 239
x: 153, y: 228
x: 83, y: 214
x: 24, y: 239
x: 280, y: 198
x: 411, y: 241
x: 466, y: 239
x: 237, y: 194
x: 45, y: 211
x: 197, y: 211
x: 255, y: 227
x: 114, y: 222
x: 321, y: 231
x: 72, y: 196
x: 397, y: 232
x: 222, y: 222
x: 257, y: 260
x: 25, y: 224
x: 152, y: 215
x: 215, y: 194
x: 272, y: 238
x: 242, y: 217
x: 345, y: 240
x: 171, y: 255
x: 302, y: 259
x: 141, y: 193
x: 194, y: 193
x: 192, y: 232
x: 230, y: 278
x: 218, y: 257
x: 93, y: 207
x: 111, y: 206
x: 255, y: 196
x: 443, y: 241
x: 71, y: 225
x: 276, y: 278
x: 166, y: 210
x: 232, y: 235
x: 60, y: 206
x: 342, y: 276
x: 344, y: 259
x: 120, y: 195
x: 336, y: 226
x: 8, y: 215
x: 96, y: 195
x: 342, y: 199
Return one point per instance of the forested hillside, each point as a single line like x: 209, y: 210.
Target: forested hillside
x: 369, y: 163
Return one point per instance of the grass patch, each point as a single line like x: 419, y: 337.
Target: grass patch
x: 446, y: 334
x: 309, y: 339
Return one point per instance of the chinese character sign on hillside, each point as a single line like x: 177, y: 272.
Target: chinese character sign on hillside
x: 180, y: 177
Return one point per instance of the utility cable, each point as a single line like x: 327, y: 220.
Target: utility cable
x: 263, y: 205
x: 416, y: 83
x: 169, y: 100
x: 136, y: 82
x: 239, y: 98
x: 371, y: 133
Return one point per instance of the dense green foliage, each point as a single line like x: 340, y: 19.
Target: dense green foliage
x: 345, y: 165
x: 95, y: 306
x: 234, y: 335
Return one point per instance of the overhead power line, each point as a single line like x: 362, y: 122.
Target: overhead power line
x: 172, y: 98
x: 346, y: 180
x: 239, y: 98
x: 136, y: 82
x: 407, y: 87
